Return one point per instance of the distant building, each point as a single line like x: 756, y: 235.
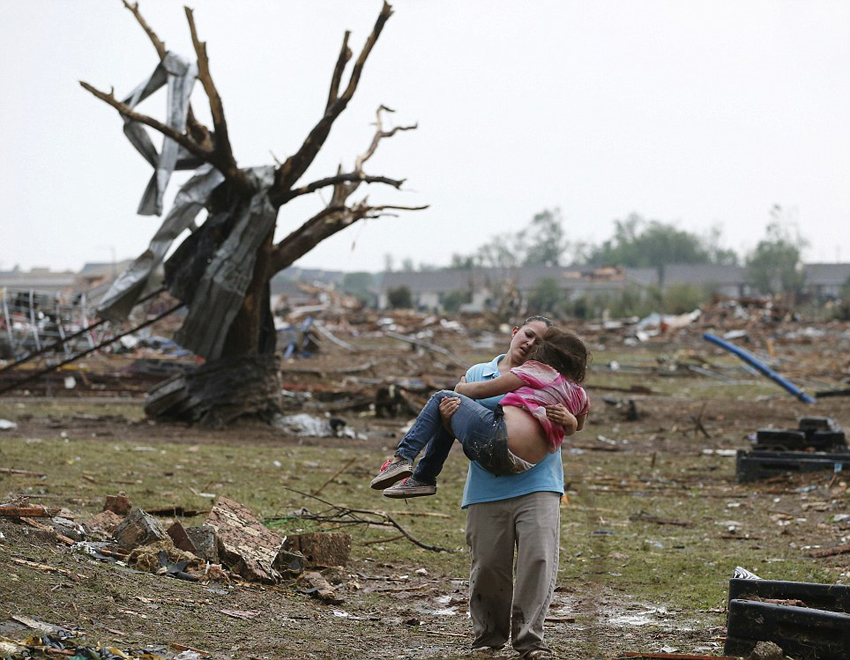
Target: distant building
x: 286, y: 291
x: 723, y: 280
x: 826, y: 280
x: 41, y: 280
x: 483, y: 285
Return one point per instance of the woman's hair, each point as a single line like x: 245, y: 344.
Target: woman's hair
x: 532, y: 319
x: 563, y: 351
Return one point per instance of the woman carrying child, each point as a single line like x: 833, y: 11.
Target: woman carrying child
x: 515, y: 516
x: 515, y: 435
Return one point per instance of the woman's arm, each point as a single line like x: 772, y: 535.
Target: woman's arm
x: 487, y: 388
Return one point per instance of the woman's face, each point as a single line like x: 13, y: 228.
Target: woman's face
x: 524, y: 339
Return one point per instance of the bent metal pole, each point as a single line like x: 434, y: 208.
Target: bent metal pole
x: 750, y: 359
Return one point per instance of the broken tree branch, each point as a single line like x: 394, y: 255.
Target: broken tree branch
x: 48, y: 568
x: 158, y: 44
x: 334, y: 476
x: 182, y: 139
x: 342, y: 60
x: 228, y: 169
x: 25, y: 473
x: 197, y: 130
x: 384, y: 520
x: 386, y: 539
x: 829, y: 552
x: 222, y: 145
x: 386, y: 12
x: 344, y: 190
x: 336, y: 215
x: 356, y: 176
x: 380, y: 133
x: 325, y: 223
x: 295, y: 166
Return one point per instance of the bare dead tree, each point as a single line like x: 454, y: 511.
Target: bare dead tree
x: 222, y: 270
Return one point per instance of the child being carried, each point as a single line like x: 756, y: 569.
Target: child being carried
x: 510, y: 439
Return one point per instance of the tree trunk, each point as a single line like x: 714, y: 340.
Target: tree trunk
x: 216, y: 393
x: 244, y: 381
x: 250, y: 332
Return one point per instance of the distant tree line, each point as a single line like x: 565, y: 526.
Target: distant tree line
x: 774, y: 266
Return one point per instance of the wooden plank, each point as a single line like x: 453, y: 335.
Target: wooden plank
x: 28, y: 511
x: 25, y: 473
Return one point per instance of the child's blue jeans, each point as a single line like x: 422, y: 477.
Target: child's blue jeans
x: 482, y: 433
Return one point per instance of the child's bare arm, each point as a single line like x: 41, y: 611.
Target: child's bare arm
x: 487, y: 388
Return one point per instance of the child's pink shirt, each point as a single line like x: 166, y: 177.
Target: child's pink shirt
x: 545, y: 386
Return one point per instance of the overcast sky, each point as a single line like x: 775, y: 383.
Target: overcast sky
x: 696, y: 113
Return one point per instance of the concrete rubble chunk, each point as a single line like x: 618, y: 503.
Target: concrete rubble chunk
x: 200, y: 541
x: 321, y: 548
x: 204, y: 539
x: 102, y: 524
x: 181, y: 539
x: 137, y: 529
x: 67, y: 528
x: 317, y: 586
x: 289, y: 563
x: 244, y: 543
x: 118, y: 504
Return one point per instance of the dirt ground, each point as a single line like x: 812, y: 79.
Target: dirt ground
x: 653, y: 521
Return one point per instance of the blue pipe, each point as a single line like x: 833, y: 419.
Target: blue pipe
x: 763, y: 368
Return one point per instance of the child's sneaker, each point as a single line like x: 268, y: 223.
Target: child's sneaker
x: 394, y: 469
x: 410, y: 487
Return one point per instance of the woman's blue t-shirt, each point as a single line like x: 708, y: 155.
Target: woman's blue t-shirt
x: 483, y: 486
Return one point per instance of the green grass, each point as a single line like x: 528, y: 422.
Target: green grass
x: 606, y: 551
x: 18, y: 409
x: 598, y: 544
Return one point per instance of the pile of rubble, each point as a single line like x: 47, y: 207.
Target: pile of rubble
x: 230, y: 546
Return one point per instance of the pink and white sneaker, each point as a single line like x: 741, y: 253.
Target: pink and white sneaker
x: 410, y: 487
x: 393, y: 470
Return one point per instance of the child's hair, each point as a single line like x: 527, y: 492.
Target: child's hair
x: 532, y: 319
x: 563, y: 351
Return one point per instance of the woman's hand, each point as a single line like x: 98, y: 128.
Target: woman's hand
x: 459, y: 389
x: 558, y: 414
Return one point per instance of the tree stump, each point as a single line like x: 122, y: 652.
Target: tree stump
x: 218, y: 392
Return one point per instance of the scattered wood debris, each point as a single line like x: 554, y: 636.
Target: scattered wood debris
x: 47, y: 568
x: 645, y: 517
x: 13, y: 511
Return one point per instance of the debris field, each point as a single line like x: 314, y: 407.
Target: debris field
x: 123, y: 535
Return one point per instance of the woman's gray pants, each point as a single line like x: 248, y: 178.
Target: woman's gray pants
x: 501, y: 606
